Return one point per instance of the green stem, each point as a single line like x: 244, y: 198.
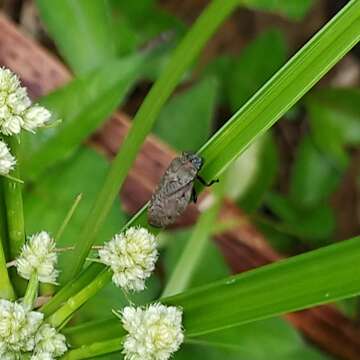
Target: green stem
x: 6, y: 289
x: 184, y: 55
x: 72, y: 288
x: 193, y: 252
x: 95, y: 349
x: 14, y: 204
x: 93, y: 331
x: 74, y: 303
x: 68, y: 217
x: 31, y: 291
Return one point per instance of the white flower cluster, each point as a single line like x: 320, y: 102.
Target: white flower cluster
x: 7, y: 161
x: 23, y: 331
x: 16, y: 111
x: 38, y: 255
x: 131, y: 256
x: 154, y: 333
x: 49, y: 343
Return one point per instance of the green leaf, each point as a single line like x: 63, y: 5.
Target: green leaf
x: 335, y: 121
x: 314, y: 175
x: 83, y: 105
x: 111, y: 297
x: 47, y: 202
x: 185, y: 122
x: 317, y: 223
x: 317, y: 277
x: 81, y: 30
x: 303, y: 281
x: 141, y: 21
x: 253, y: 69
x: 295, y: 10
x: 211, y: 267
x: 282, y: 91
x: 255, y: 341
x: 189, y: 352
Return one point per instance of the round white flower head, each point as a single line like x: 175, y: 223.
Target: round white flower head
x: 131, y: 256
x: 48, y: 342
x: 7, y: 161
x: 18, y: 326
x: 38, y: 255
x: 42, y: 356
x: 16, y: 111
x: 154, y: 333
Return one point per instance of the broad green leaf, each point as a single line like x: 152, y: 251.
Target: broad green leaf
x: 275, y: 235
x: 144, y: 18
x: 255, y: 341
x: 47, y: 202
x: 185, y: 122
x: 253, y: 68
x: 303, y: 281
x: 81, y: 30
x: 219, y: 68
x: 311, y: 225
x: 314, y: 175
x: 189, y: 352
x: 295, y: 10
x: 335, y: 121
x: 83, y: 105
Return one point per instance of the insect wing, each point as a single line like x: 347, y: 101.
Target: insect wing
x: 163, y: 211
x: 173, y: 193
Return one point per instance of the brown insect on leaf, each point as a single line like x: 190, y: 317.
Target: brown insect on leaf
x: 175, y: 190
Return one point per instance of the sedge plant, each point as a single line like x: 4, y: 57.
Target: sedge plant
x: 40, y: 327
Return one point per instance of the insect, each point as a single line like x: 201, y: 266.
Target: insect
x: 175, y: 190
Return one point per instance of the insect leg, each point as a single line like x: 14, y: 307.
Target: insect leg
x: 194, y: 195
x: 205, y: 183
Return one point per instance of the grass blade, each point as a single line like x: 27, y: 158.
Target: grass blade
x: 267, y: 106
x: 183, y: 56
x: 86, y: 40
x: 283, y: 90
x: 317, y: 277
